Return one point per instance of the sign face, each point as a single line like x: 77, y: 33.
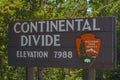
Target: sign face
x: 69, y: 43
x: 88, y: 48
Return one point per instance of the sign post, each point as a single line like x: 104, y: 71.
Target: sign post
x: 65, y: 43
x: 91, y: 74
x: 29, y: 73
x: 40, y: 73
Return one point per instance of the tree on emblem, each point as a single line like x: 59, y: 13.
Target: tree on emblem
x: 82, y: 48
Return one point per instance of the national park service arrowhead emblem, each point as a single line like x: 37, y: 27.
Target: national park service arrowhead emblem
x: 88, y: 47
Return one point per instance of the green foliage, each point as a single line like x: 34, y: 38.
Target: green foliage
x: 63, y: 74
x: 11, y: 10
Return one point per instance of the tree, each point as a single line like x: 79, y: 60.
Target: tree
x: 29, y: 10
x: 11, y: 10
x: 109, y: 8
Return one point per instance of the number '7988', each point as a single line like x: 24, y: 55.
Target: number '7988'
x: 63, y: 54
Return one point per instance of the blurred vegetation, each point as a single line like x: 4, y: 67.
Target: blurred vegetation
x: 11, y: 10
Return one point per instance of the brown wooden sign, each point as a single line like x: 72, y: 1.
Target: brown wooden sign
x: 70, y: 43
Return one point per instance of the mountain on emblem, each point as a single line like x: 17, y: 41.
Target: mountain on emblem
x: 88, y: 48
x: 91, y: 50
